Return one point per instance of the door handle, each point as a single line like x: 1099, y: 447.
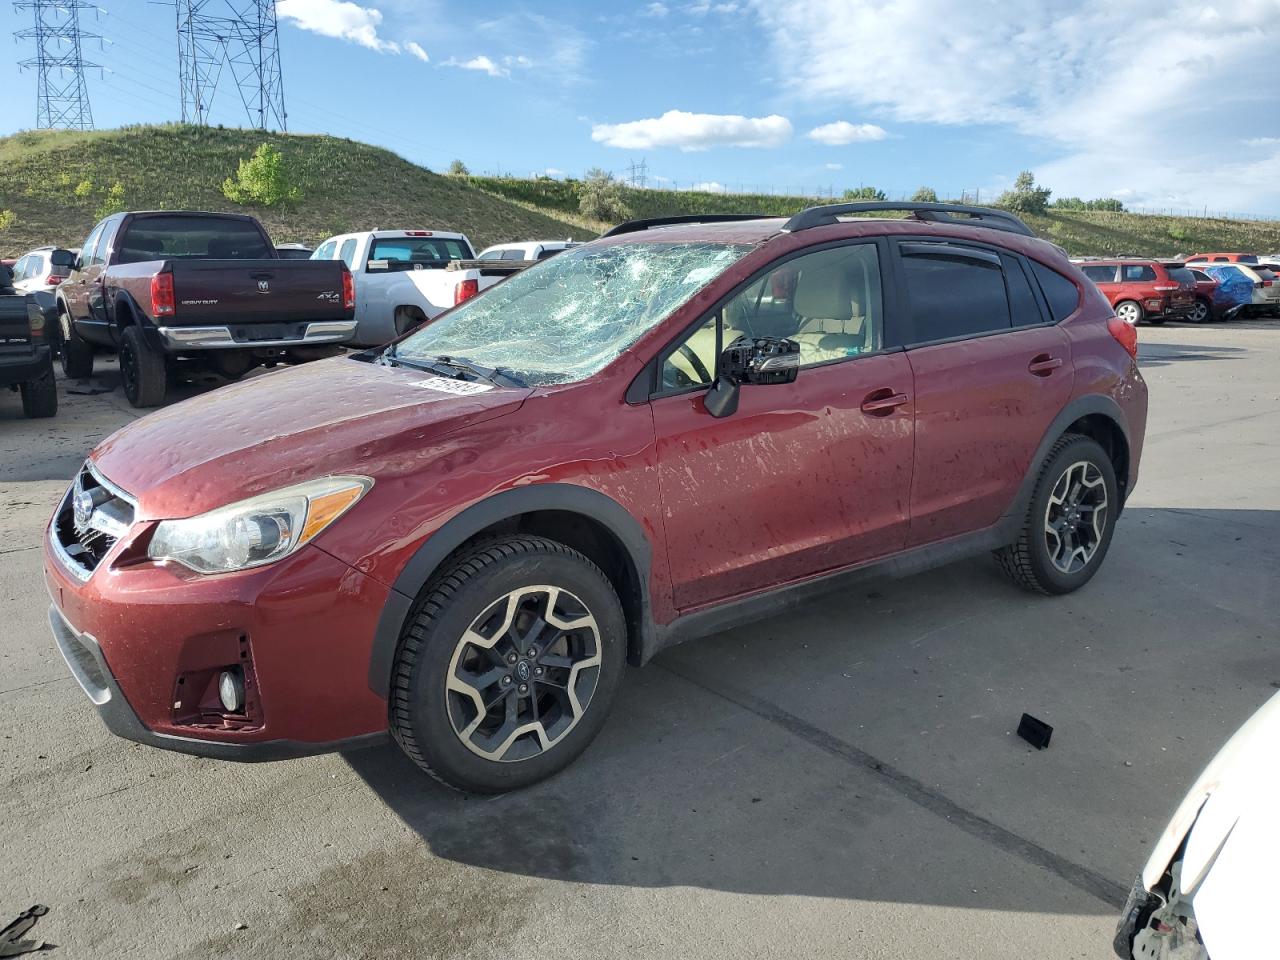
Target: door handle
x: 881, y: 403
x: 1043, y: 365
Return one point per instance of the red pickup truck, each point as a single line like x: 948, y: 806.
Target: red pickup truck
x: 175, y: 292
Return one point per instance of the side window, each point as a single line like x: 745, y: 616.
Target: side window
x: 829, y: 302
x: 20, y: 269
x: 1100, y: 274
x: 1023, y: 303
x: 513, y: 254
x: 952, y: 296
x: 325, y: 251
x: 1138, y: 273
x: 1062, y: 294
x: 107, y: 241
x: 90, y: 249
x: 348, y: 253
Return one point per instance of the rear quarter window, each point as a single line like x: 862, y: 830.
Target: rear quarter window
x: 1063, y: 295
x: 1100, y: 274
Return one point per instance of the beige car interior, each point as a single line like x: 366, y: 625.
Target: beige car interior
x: 833, y: 313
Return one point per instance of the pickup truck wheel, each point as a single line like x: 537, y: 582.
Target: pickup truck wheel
x: 1070, y: 520
x: 508, y: 666
x: 77, y: 354
x: 40, y: 397
x: 142, y: 370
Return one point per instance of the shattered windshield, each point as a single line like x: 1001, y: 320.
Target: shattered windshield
x: 568, y: 317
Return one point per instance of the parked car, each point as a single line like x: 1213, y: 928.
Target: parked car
x: 1223, y: 258
x: 403, y: 277
x: 532, y: 250
x: 1196, y: 898
x: 672, y: 430
x: 1255, y: 289
x: 1211, y: 302
x: 1150, y: 290
x: 26, y: 363
x: 293, y: 251
x: 174, y: 291
x: 42, y: 269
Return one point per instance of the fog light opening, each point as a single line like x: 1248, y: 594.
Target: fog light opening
x: 231, y: 690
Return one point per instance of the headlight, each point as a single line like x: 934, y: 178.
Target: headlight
x: 257, y: 531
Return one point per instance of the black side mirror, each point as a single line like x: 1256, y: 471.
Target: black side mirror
x: 759, y: 360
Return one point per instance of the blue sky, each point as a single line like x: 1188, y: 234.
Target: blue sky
x: 1162, y: 104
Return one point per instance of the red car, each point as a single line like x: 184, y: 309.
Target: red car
x: 1203, y: 258
x: 1149, y: 290
x: 1209, y: 304
x: 678, y: 428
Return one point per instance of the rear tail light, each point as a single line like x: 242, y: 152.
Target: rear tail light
x: 348, y: 289
x: 417, y: 233
x: 1125, y: 335
x: 54, y: 279
x: 465, y: 290
x: 162, y: 302
x: 35, y: 319
x: 1267, y: 283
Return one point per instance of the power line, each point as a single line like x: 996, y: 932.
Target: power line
x: 62, y: 97
x: 241, y: 36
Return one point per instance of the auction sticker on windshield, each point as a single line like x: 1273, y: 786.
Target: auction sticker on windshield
x: 460, y: 387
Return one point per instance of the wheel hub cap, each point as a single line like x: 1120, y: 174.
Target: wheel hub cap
x: 523, y: 673
x: 1075, y: 518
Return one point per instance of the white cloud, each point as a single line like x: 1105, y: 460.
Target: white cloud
x: 703, y: 7
x: 842, y: 132
x: 480, y: 63
x: 553, y: 172
x: 694, y: 131
x: 656, y: 10
x: 1044, y: 74
x: 834, y: 166
x: 707, y: 186
x: 339, y: 19
x: 417, y: 51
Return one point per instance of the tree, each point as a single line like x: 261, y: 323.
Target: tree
x: 113, y: 202
x: 458, y: 169
x: 925, y: 195
x: 1026, y: 196
x: 601, y: 197
x: 262, y: 179
x: 865, y: 193
x: 7, y: 219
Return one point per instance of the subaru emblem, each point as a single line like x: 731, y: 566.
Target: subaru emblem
x: 264, y: 286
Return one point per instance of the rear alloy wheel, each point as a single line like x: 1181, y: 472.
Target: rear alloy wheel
x: 142, y: 370
x: 1130, y: 312
x: 507, y: 669
x: 1069, y: 521
x: 1199, y: 312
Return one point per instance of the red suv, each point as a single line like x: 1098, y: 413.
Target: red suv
x: 683, y: 426
x: 1148, y: 290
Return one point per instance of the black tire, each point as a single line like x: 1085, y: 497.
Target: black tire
x: 76, y: 352
x: 422, y: 715
x: 40, y: 397
x: 1202, y: 312
x: 1130, y: 311
x: 1028, y: 561
x: 142, y: 370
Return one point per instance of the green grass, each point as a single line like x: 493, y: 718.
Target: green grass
x: 345, y: 185
x: 1081, y: 233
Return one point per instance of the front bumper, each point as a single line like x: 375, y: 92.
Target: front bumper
x: 1137, y: 911
x: 229, y: 338
x: 143, y: 639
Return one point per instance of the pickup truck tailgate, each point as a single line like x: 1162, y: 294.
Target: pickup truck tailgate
x: 256, y: 291
x: 15, y: 330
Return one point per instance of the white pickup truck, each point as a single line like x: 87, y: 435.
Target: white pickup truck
x: 405, y: 277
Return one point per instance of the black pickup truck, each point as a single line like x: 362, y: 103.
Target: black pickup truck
x: 26, y: 362
x: 174, y: 292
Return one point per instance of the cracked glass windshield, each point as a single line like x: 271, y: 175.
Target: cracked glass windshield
x: 566, y: 318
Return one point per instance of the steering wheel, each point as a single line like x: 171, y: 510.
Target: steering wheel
x: 694, y: 361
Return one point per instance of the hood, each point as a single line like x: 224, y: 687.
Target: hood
x: 322, y: 418
x: 1232, y: 834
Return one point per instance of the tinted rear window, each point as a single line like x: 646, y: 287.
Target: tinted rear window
x: 1099, y: 274
x: 954, y: 297
x: 1264, y: 274
x: 1247, y: 258
x: 1180, y: 275
x: 1022, y: 301
x: 191, y: 238
x: 427, y: 251
x: 1062, y: 294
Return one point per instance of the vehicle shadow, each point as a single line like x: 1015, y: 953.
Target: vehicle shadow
x: 1161, y: 354
x: 862, y: 748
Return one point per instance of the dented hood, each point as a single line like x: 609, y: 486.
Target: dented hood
x: 330, y: 417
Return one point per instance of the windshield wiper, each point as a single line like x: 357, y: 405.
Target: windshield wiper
x: 496, y: 375
x: 455, y: 368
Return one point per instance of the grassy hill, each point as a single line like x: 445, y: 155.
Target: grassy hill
x: 1081, y: 233
x: 345, y: 185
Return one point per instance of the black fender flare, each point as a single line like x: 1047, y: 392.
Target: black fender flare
x: 566, y: 497
x: 1091, y: 405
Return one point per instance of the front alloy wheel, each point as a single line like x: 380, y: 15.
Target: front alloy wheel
x: 1075, y: 520
x: 523, y: 673
x: 1129, y: 312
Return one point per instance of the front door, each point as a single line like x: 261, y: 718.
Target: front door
x: 991, y: 372
x: 804, y: 477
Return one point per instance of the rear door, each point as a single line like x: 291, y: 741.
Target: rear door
x: 991, y: 373
x: 804, y: 477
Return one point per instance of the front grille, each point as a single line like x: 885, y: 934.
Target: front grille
x: 91, y: 519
